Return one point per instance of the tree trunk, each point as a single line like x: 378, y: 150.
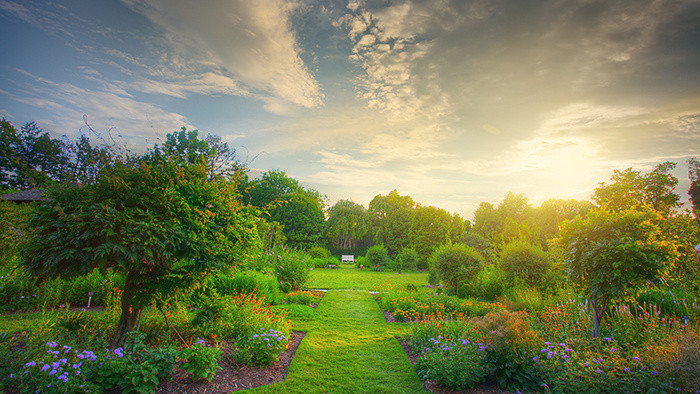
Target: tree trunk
x: 130, y: 313
x: 598, y: 311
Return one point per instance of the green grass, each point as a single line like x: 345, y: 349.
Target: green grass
x: 349, y: 348
x: 354, y: 279
x: 16, y: 322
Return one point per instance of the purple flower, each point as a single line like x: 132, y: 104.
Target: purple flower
x: 45, y: 367
x: 544, y: 385
x: 51, y: 344
x: 53, y: 372
x: 607, y: 339
x: 536, y: 359
x: 636, y: 359
x: 200, y: 342
x: 613, y: 350
x: 119, y: 352
x: 586, y: 364
x: 627, y: 370
x: 30, y: 364
x: 550, y: 354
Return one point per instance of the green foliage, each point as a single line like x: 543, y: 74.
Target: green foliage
x: 490, y: 283
x: 454, y: 264
x: 629, y: 189
x: 431, y: 227
x: 390, y: 216
x: 524, y: 261
x: 318, y: 252
x: 406, y: 260
x: 262, y: 348
x: 237, y: 317
x: 348, y: 224
x: 299, y: 211
x: 377, y: 258
x: 201, y: 361
x: 13, y: 230
x: 161, y: 222
x: 255, y: 282
x: 611, y: 254
x: 454, y: 363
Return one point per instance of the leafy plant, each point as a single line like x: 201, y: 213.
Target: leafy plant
x: 377, y: 257
x: 200, y: 360
x: 454, y: 264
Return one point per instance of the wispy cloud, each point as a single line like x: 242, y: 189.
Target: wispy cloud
x: 135, y: 122
x: 251, y: 40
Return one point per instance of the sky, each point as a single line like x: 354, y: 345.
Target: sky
x: 450, y: 102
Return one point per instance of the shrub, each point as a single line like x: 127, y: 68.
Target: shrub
x: 523, y: 298
x: 455, y: 264
x: 489, y: 283
x: 454, y: 363
x: 377, y: 257
x: 319, y: 252
x: 406, y: 260
x: 248, y: 282
x: 201, y: 361
x: 262, y: 348
x: 524, y: 261
x: 238, y: 316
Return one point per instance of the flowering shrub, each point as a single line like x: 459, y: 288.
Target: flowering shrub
x: 201, y: 361
x: 453, y: 363
x: 411, y: 306
x: 262, y: 348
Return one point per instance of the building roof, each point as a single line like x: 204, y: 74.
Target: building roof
x: 25, y: 196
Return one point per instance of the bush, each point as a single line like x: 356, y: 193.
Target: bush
x: 377, y: 257
x: 489, y: 284
x: 318, y: 252
x: 454, y: 363
x: 455, y: 264
x: 248, y: 282
x: 523, y: 298
x: 406, y: 260
x: 290, y: 266
x: 525, y: 261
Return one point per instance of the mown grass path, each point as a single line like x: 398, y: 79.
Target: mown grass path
x: 348, y: 348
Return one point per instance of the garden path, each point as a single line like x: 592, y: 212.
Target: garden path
x: 349, y: 348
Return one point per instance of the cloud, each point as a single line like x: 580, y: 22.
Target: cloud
x: 252, y: 41
x: 134, y: 122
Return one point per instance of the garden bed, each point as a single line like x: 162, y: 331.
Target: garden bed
x: 434, y: 387
x: 234, y: 377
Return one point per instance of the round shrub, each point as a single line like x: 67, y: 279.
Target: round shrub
x: 319, y: 252
x: 406, y: 260
x: 525, y: 261
x: 378, y: 257
x: 454, y: 264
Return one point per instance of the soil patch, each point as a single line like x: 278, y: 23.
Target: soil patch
x: 484, y: 388
x: 234, y: 377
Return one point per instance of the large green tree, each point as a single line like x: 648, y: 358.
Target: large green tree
x: 611, y: 254
x: 629, y: 188
x: 431, y: 227
x: 391, y: 216
x: 30, y: 158
x: 157, y: 219
x: 287, y: 202
x: 347, y: 225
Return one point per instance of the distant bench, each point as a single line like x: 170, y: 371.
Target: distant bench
x: 347, y: 258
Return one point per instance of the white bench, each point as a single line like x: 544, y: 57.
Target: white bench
x: 347, y: 258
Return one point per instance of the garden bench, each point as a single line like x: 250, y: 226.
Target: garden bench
x: 349, y: 258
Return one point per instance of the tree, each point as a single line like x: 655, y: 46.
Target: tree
x: 455, y: 264
x: 631, y: 189
x: 552, y: 213
x: 610, y: 254
x: 431, y: 227
x: 391, y: 215
x: 30, y: 158
x: 525, y: 261
x: 157, y: 219
x: 694, y: 191
x: 347, y: 224
x: 287, y: 202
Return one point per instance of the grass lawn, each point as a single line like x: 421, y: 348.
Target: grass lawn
x: 352, y: 278
x: 20, y: 321
x: 349, y: 348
